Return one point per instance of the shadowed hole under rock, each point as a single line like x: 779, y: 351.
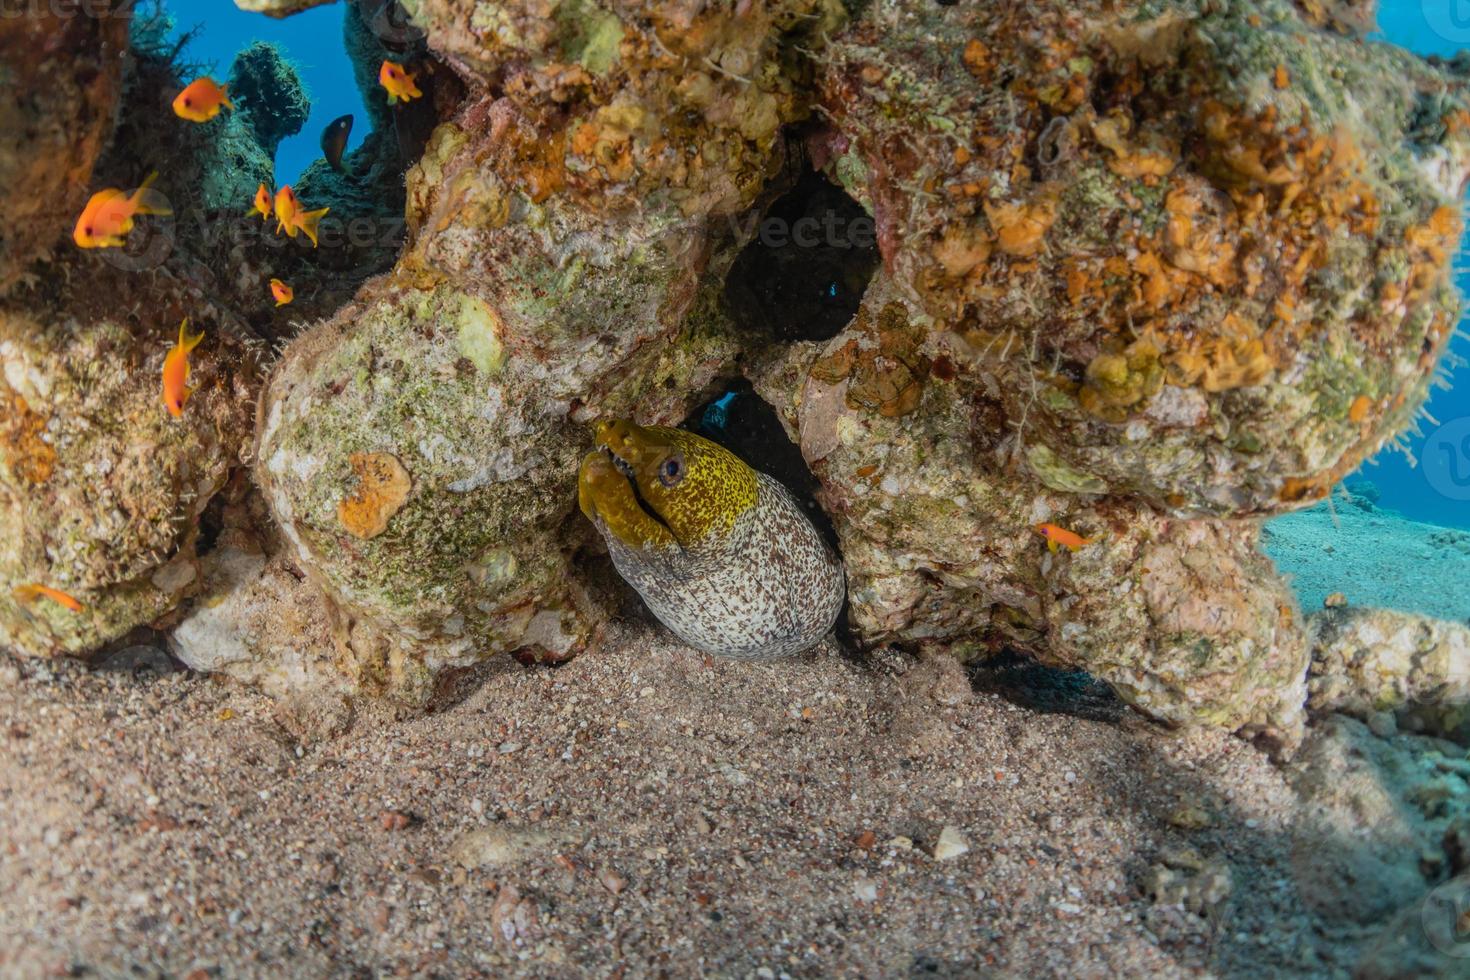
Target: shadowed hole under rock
x: 804, y: 273
x: 742, y: 422
x: 1049, y: 690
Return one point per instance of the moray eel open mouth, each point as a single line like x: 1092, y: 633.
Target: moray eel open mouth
x: 626, y: 469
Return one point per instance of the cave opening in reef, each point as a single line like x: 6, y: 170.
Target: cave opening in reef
x: 803, y: 274
x: 744, y: 423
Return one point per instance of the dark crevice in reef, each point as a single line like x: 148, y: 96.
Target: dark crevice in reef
x: 1049, y: 690
x: 741, y: 421
x: 803, y: 274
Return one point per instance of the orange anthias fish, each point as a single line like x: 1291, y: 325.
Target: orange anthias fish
x: 263, y: 202
x: 176, y: 370
x: 398, y: 81
x: 282, y: 292
x: 30, y: 593
x: 1058, y: 536
x: 108, y: 216
x: 290, y: 217
x: 201, y: 99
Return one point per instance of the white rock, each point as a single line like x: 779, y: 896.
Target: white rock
x: 501, y: 844
x: 951, y: 844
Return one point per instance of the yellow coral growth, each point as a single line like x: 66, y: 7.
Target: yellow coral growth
x: 1117, y: 381
x: 1197, y: 240
x: 961, y: 250
x: 383, y: 486
x: 1156, y: 158
x: 1221, y: 364
x: 1020, y: 228
x: 31, y: 459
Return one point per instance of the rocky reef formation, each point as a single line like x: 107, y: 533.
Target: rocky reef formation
x: 101, y: 490
x: 1145, y: 271
x: 1394, y: 670
x: 236, y: 150
x: 437, y: 523
x: 105, y: 495
x: 1197, y: 249
x: 70, y: 69
x: 1184, y: 618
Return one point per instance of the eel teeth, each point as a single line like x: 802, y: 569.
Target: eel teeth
x: 624, y: 467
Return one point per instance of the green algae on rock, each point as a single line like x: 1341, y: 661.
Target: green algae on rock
x: 238, y: 151
x: 268, y: 94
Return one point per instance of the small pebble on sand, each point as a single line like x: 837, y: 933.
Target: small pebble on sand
x: 951, y: 844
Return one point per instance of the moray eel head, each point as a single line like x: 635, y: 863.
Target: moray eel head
x: 653, y: 486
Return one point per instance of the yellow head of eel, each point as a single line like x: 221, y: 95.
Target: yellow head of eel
x: 653, y: 486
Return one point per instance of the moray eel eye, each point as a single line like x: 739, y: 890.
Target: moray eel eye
x: 672, y: 470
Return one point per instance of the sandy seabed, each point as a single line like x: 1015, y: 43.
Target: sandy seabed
x: 1373, y: 557
x: 645, y: 811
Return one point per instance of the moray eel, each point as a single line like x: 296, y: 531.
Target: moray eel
x: 721, y: 553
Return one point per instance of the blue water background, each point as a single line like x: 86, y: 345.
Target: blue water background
x: 311, y: 40
x: 1404, y: 488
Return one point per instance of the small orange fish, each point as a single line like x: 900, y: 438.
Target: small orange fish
x: 1058, y: 536
x: 176, y: 370
x: 263, y: 202
x: 290, y: 217
x: 108, y: 216
x: 398, y: 81
x: 282, y: 292
x: 30, y: 593
x: 201, y: 99
x: 286, y: 208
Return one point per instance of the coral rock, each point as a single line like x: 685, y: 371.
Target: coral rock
x: 99, y: 486
x: 473, y: 366
x: 63, y: 76
x: 1366, y: 661
x: 1127, y: 209
x: 1185, y: 619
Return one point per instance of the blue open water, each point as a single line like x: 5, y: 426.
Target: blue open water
x: 311, y: 40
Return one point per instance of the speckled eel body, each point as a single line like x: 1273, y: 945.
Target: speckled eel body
x: 722, y: 554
